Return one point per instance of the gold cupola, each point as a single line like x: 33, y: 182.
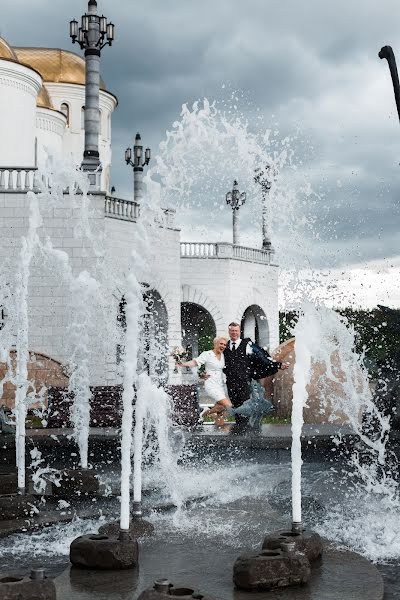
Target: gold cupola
x: 6, y: 51
x: 55, y: 65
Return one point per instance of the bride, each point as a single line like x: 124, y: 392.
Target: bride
x: 214, y: 386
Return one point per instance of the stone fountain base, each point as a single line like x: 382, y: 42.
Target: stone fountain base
x: 34, y: 587
x: 286, y: 559
x: 271, y: 569
x: 103, y: 552
x: 137, y: 528
x: 307, y: 541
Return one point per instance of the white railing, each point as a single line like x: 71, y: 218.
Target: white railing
x: 116, y: 208
x: 19, y: 179
x: 225, y: 250
x: 198, y: 250
x: 255, y: 255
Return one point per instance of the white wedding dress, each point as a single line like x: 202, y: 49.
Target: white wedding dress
x: 214, y: 385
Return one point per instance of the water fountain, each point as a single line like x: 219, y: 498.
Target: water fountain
x: 119, y: 550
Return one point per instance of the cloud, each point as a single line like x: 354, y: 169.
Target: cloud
x: 311, y: 68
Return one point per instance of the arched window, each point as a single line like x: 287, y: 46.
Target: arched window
x: 65, y: 111
x: 83, y: 117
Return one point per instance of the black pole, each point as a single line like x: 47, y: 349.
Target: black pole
x: 387, y: 52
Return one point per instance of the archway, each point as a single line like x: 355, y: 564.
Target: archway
x: 153, y: 356
x: 254, y: 325
x: 198, y: 328
x: 152, y: 334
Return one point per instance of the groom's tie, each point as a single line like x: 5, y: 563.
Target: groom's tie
x: 233, y: 346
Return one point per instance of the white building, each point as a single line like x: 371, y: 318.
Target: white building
x: 196, y: 288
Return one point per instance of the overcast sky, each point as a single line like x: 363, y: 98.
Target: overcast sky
x: 312, y: 69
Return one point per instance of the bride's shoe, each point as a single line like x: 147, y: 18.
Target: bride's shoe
x: 203, y: 414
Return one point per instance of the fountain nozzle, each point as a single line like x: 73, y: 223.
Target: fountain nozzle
x: 38, y: 574
x: 124, y: 535
x: 297, y: 527
x: 136, y: 511
x: 162, y: 585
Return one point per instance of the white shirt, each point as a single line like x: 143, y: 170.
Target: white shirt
x: 249, y: 349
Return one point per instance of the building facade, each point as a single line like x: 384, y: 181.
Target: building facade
x: 192, y: 290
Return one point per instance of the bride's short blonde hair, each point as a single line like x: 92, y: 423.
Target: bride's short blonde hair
x: 218, y: 338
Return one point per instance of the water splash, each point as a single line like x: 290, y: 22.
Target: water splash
x: 20, y: 379
x: 209, y: 147
x: 154, y: 412
x: 344, y: 390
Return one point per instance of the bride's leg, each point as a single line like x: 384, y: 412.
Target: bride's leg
x: 219, y: 420
x: 219, y: 407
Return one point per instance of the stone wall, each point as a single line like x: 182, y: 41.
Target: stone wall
x: 319, y: 408
x: 43, y: 372
x: 226, y: 287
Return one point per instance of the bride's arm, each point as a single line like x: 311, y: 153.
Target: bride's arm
x: 189, y: 363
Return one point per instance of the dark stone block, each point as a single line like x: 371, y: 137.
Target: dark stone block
x: 77, y: 482
x: 164, y: 590
x: 271, y: 569
x: 25, y: 588
x: 185, y: 403
x: 137, y: 528
x: 105, y: 406
x: 9, y: 483
x: 308, y: 542
x: 97, y: 551
x: 16, y: 506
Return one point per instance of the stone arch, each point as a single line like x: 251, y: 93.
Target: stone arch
x: 153, y: 357
x: 254, y: 324
x: 153, y: 331
x: 198, y: 328
x: 195, y: 296
x: 254, y: 298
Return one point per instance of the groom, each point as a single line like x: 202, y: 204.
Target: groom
x: 237, y: 370
x: 240, y: 369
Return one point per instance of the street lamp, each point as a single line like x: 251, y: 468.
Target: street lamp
x: 137, y: 161
x: 235, y: 199
x: 92, y: 35
x: 265, y: 178
x: 387, y: 52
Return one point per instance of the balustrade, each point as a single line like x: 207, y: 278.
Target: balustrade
x: 19, y: 179
x: 225, y: 250
x: 117, y: 208
x: 198, y: 250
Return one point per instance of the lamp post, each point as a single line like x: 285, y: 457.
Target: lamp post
x: 137, y: 161
x: 235, y: 199
x: 387, y: 52
x: 94, y: 33
x: 265, y: 177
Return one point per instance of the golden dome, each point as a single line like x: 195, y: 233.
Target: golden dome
x: 55, y: 65
x: 6, y: 51
x: 43, y: 99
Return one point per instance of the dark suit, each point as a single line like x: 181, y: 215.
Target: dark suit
x: 237, y: 371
